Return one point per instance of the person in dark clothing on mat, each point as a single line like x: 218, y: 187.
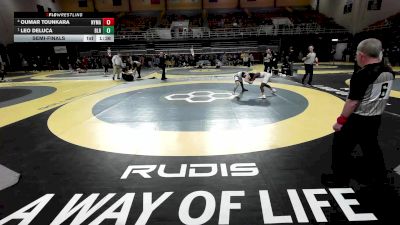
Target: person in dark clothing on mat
x: 2, y: 70
x: 361, y: 117
x: 292, y: 59
x: 138, y: 67
x: 162, y: 65
x: 105, y: 62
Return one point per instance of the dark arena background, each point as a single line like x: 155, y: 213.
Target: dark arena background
x: 133, y: 112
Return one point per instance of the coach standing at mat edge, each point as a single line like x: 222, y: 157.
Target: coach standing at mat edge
x: 361, y: 116
x: 162, y: 65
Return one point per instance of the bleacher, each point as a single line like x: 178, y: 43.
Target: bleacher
x: 230, y: 20
x: 386, y: 30
x: 226, y: 24
x: 194, y: 18
x: 137, y: 23
x: 177, y: 48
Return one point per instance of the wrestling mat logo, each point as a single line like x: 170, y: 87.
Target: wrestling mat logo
x: 200, y: 96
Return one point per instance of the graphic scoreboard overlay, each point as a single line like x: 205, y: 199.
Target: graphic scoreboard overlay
x: 63, y: 27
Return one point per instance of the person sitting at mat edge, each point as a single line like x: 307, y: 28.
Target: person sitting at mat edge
x: 264, y: 83
x: 309, y: 61
x: 117, y: 65
x: 238, y: 77
x: 361, y: 118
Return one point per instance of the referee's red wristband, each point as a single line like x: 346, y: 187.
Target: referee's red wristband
x: 341, y: 120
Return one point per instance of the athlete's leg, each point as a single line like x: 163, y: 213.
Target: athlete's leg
x: 236, y: 86
x: 241, y: 84
x: 262, y: 90
x: 273, y: 90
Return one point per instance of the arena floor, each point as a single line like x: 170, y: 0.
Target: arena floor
x: 91, y: 150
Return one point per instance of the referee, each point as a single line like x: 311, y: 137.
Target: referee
x: 309, y: 61
x: 361, y: 116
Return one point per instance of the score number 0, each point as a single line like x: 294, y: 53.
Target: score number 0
x: 108, y: 21
x: 108, y: 25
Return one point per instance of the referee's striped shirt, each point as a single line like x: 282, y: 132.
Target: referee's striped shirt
x: 371, y: 86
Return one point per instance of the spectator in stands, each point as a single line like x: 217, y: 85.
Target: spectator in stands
x: 218, y: 63
x: 300, y: 56
x: 385, y: 56
x: 397, y: 56
x: 77, y: 64
x: 70, y: 62
x: 142, y: 59
x: 59, y: 65
x: 38, y: 63
x: 333, y: 52
x: 246, y: 59
x: 347, y: 53
x: 85, y: 63
x: 25, y: 64
x: 49, y: 63
x: 291, y: 58
x: 344, y: 53
x: 251, y: 57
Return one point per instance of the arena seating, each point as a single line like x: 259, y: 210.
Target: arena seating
x: 195, y: 19
x: 390, y: 37
x: 137, y: 23
x: 222, y: 24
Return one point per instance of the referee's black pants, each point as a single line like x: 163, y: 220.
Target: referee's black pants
x: 363, y: 131
x: 138, y: 69
x: 163, y: 73
x: 309, y: 71
x: 267, y: 66
x: 3, y: 74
